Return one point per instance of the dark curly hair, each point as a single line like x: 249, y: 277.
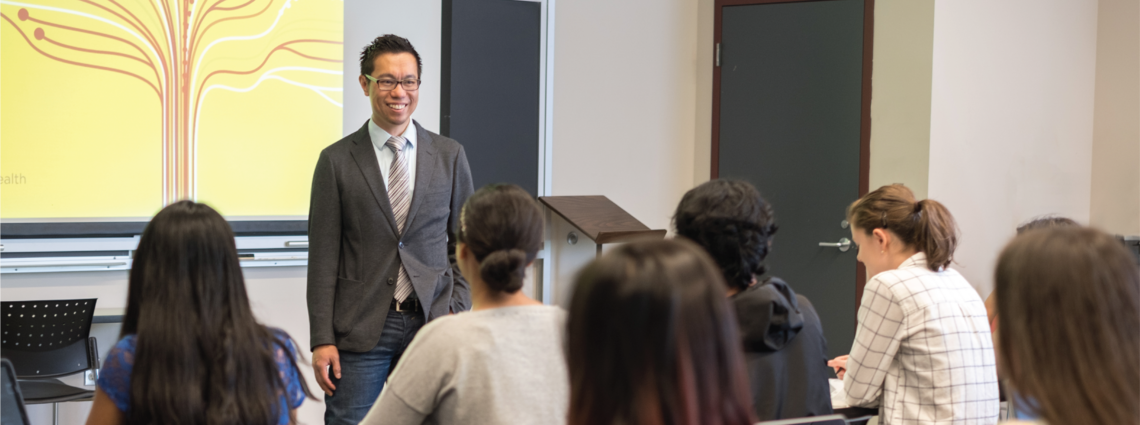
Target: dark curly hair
x: 388, y: 43
x: 730, y: 220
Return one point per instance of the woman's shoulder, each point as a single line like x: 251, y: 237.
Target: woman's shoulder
x: 477, y: 324
x: 127, y: 343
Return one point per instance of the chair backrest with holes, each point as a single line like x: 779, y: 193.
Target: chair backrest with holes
x: 46, y: 338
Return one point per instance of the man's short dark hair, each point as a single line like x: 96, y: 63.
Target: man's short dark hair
x: 387, y: 43
x: 730, y: 220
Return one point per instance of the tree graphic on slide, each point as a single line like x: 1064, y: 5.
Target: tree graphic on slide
x: 182, y: 50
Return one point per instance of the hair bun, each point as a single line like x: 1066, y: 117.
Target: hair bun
x: 503, y: 270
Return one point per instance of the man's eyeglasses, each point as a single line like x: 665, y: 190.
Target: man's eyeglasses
x: 386, y: 84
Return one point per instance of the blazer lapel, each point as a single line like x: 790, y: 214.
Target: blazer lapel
x: 425, y: 169
x: 365, y: 156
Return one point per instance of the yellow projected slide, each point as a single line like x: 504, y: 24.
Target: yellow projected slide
x: 115, y: 108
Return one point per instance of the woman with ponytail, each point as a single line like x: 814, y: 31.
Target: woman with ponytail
x: 502, y: 362
x: 191, y: 351
x: 922, y: 352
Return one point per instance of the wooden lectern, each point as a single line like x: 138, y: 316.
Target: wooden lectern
x: 577, y: 227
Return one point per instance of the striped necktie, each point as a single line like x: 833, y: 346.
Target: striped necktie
x: 400, y: 198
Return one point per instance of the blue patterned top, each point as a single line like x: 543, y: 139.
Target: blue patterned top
x: 115, y: 376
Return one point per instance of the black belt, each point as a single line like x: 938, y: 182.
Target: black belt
x: 410, y: 305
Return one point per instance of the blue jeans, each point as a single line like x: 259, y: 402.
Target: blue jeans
x: 363, y: 374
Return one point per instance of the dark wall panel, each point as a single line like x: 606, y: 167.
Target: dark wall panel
x: 490, y: 100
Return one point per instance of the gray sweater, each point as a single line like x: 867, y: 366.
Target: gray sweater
x: 497, y: 366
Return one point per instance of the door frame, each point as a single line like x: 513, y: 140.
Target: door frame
x: 865, y: 109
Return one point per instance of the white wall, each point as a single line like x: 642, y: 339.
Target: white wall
x: 1011, y: 118
x: 1116, y: 132
x: 418, y: 21
x: 625, y: 103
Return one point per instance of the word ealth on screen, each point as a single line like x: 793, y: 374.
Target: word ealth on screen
x: 14, y: 178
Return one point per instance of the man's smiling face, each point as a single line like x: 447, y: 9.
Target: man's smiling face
x: 392, y: 109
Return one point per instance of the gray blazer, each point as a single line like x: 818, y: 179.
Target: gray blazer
x: 355, y: 250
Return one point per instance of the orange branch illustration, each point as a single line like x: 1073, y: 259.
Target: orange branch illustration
x: 168, y: 46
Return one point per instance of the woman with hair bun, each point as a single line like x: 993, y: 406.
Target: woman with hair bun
x: 502, y: 362
x: 922, y: 352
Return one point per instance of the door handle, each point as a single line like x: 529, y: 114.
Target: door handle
x: 844, y: 244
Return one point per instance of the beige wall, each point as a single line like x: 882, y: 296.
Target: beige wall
x: 702, y: 153
x: 1011, y: 118
x: 625, y: 93
x: 1116, y: 126
x: 900, y: 94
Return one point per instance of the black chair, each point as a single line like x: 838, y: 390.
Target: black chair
x: 48, y: 339
x: 812, y: 420
x: 857, y: 415
x: 12, y: 410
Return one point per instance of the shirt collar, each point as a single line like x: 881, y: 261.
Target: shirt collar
x: 380, y: 137
x: 917, y: 260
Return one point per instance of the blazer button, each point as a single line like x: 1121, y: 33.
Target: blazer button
x: 391, y: 281
x: 401, y: 245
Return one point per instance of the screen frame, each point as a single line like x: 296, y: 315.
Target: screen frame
x: 110, y: 229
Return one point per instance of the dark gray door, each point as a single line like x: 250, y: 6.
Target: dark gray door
x: 790, y: 112
x: 490, y: 99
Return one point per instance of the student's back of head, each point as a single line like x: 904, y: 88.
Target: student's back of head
x: 785, y: 351
x: 730, y: 220
x: 200, y: 355
x: 1070, y: 336
x: 501, y: 225
x: 652, y: 340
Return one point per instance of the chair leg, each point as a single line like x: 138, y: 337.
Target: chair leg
x: 55, y: 414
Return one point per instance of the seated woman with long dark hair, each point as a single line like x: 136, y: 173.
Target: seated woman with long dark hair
x: 191, y: 351
x: 502, y: 362
x: 1070, y: 307
x: 652, y: 341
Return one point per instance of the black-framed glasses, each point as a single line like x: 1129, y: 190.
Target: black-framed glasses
x: 387, y: 84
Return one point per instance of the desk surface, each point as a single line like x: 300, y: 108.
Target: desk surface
x: 109, y: 315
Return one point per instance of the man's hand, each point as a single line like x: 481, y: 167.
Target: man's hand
x: 840, y: 365
x: 324, y: 358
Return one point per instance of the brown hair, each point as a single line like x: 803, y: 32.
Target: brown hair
x: 652, y: 340
x: 502, y: 225
x: 1044, y: 222
x: 1070, y: 303
x: 200, y: 355
x: 925, y: 225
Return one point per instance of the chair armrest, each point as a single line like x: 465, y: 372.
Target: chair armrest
x: 93, y: 353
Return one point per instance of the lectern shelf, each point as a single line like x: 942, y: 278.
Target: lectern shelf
x: 600, y: 219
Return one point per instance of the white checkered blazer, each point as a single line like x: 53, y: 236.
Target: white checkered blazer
x: 922, y: 350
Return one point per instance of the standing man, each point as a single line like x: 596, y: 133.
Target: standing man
x: 385, y: 202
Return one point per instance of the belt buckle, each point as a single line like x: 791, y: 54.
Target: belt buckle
x: 398, y: 309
